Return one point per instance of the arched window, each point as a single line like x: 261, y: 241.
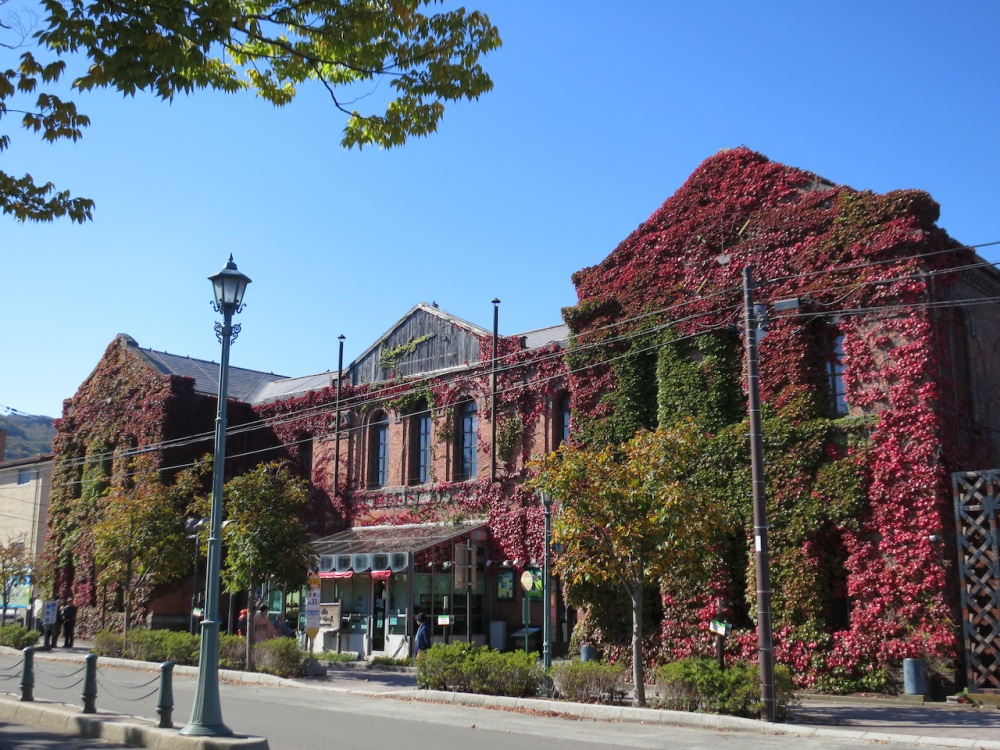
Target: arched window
x: 467, y: 441
x: 419, y: 462
x: 561, y: 420
x: 378, y: 450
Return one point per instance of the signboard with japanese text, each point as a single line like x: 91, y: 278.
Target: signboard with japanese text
x: 312, y: 609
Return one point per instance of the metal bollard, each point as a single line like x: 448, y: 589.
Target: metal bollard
x: 28, y: 675
x: 165, y: 704
x: 90, y: 685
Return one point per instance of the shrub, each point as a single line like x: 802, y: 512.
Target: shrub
x: 700, y: 685
x: 232, y: 652
x: 281, y: 657
x: 334, y: 656
x: 441, y: 667
x: 148, y: 645
x: 465, y: 668
x: 17, y: 636
x: 388, y: 661
x: 514, y: 674
x: 588, y: 681
x: 109, y: 643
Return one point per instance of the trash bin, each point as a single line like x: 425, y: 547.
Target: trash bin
x: 915, y: 678
x: 588, y: 653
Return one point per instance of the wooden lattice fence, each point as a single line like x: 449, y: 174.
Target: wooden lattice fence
x: 977, y: 520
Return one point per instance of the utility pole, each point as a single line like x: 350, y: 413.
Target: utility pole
x: 763, y: 565
x: 493, y: 392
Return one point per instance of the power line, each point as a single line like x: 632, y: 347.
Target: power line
x: 359, y: 402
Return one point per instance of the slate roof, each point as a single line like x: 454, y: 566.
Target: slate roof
x: 255, y: 387
x: 242, y: 382
x: 291, y: 387
x: 543, y: 336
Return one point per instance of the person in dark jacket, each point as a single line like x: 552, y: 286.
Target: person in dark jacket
x: 68, y: 623
x: 423, y: 638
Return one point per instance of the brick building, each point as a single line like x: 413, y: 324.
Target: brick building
x: 881, y: 382
x: 401, y: 442
x: 879, y: 378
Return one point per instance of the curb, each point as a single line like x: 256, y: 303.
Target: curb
x: 635, y: 715
x: 125, y: 730
x: 118, y: 729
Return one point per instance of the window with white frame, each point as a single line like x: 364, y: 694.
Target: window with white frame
x: 378, y: 450
x: 467, y: 441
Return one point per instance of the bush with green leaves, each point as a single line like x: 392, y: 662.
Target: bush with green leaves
x: 17, y: 636
x: 465, y: 668
x: 442, y: 667
x: 232, y: 652
x: 699, y: 684
x: 388, y: 661
x: 515, y: 674
x: 148, y: 645
x: 334, y: 656
x: 279, y: 656
x: 588, y: 681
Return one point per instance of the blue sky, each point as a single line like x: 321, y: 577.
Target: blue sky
x: 600, y: 112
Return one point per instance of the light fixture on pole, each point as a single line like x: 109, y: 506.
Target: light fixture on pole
x: 206, y: 713
x: 193, y: 526
x: 547, y: 583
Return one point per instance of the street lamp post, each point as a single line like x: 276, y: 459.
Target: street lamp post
x: 547, y: 583
x: 193, y: 526
x: 206, y: 713
x: 493, y: 392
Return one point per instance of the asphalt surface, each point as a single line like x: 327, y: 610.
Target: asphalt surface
x: 43, y: 725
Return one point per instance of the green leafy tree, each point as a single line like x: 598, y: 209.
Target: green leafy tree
x: 139, y: 541
x: 627, y: 518
x: 265, y: 538
x: 15, y: 570
x: 268, y: 46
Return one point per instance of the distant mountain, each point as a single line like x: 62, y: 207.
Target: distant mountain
x: 27, y: 435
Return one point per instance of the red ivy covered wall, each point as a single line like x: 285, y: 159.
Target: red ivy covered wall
x: 864, y: 266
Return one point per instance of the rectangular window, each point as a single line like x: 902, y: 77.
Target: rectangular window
x: 835, y: 375
x: 378, y: 452
x: 423, y: 463
x: 23, y: 476
x: 469, y: 444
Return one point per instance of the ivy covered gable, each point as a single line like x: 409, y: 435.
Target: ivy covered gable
x: 856, y: 372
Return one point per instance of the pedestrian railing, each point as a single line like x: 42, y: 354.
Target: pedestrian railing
x: 58, y: 678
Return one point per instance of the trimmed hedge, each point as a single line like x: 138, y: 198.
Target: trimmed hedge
x: 278, y: 656
x: 464, y: 668
x: 17, y: 636
x: 700, y: 685
x: 588, y: 681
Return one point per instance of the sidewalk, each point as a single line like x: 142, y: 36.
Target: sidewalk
x: 877, y: 719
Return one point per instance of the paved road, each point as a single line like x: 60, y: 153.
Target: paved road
x: 317, y: 714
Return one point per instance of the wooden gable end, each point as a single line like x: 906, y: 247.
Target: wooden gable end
x: 422, y: 342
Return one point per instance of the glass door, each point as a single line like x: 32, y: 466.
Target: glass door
x: 379, y: 599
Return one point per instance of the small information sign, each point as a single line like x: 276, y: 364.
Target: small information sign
x: 312, y: 607
x: 720, y: 628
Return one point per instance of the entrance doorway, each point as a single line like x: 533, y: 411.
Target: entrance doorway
x: 379, y: 597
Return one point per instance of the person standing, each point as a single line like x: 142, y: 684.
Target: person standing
x: 69, y: 623
x: 263, y: 630
x: 423, y: 637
